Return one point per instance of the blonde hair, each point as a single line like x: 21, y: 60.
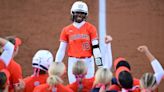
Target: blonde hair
x: 79, y: 70
x: 103, y: 75
x: 55, y: 71
x: 79, y: 67
x: 148, y: 80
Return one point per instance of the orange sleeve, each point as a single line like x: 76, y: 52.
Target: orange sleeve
x: 64, y: 36
x: 2, y: 65
x: 17, y: 75
x: 93, y: 32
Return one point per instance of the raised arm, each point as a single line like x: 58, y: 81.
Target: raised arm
x: 157, y: 67
x: 8, y: 49
x: 108, y: 52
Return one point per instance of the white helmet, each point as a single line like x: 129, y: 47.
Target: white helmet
x: 79, y: 6
x: 42, y: 59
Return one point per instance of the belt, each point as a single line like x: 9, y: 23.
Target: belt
x: 80, y: 57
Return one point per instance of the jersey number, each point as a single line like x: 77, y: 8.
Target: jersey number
x: 86, y: 46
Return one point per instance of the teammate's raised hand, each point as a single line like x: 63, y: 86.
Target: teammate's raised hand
x: 108, y: 39
x: 143, y: 49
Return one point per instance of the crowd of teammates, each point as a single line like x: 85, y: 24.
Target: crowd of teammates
x: 47, y: 74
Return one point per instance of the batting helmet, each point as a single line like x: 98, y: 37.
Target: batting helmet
x: 42, y: 59
x: 79, y: 6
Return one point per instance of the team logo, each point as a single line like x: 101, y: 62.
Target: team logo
x: 54, y: 89
x: 36, y: 83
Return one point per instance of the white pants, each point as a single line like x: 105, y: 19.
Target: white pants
x: 90, y: 65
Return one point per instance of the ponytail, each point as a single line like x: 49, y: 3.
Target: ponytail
x: 54, y: 80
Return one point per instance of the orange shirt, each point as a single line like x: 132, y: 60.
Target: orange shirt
x: 46, y: 88
x: 87, y: 85
x: 118, y: 88
x: 2, y: 65
x: 15, y: 73
x: 33, y: 81
x: 79, y: 40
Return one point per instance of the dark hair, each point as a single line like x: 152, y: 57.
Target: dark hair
x: 125, y: 79
x: 123, y: 63
x: 3, y: 79
x: 11, y: 39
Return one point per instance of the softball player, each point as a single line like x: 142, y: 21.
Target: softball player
x: 40, y: 63
x: 149, y: 81
x: 54, y: 81
x: 10, y: 50
x: 82, y: 84
x: 81, y: 40
x: 102, y: 80
x: 13, y: 65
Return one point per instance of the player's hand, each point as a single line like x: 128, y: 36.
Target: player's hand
x: 19, y: 87
x: 143, y: 49
x: 98, y: 61
x: 108, y: 39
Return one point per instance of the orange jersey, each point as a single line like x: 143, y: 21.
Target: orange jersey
x: 79, y: 40
x: 87, y: 85
x: 2, y: 65
x: 15, y: 73
x: 33, y: 81
x: 46, y: 88
x: 136, y: 83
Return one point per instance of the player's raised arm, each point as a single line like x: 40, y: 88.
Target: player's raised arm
x: 157, y: 67
x: 8, y: 49
x: 108, y: 52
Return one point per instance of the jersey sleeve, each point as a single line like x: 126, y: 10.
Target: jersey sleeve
x: 93, y: 33
x: 63, y: 35
x: 17, y: 75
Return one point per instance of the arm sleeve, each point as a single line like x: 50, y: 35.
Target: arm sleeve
x: 7, y: 53
x: 108, y: 56
x: 61, y: 52
x: 17, y: 75
x: 159, y: 72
